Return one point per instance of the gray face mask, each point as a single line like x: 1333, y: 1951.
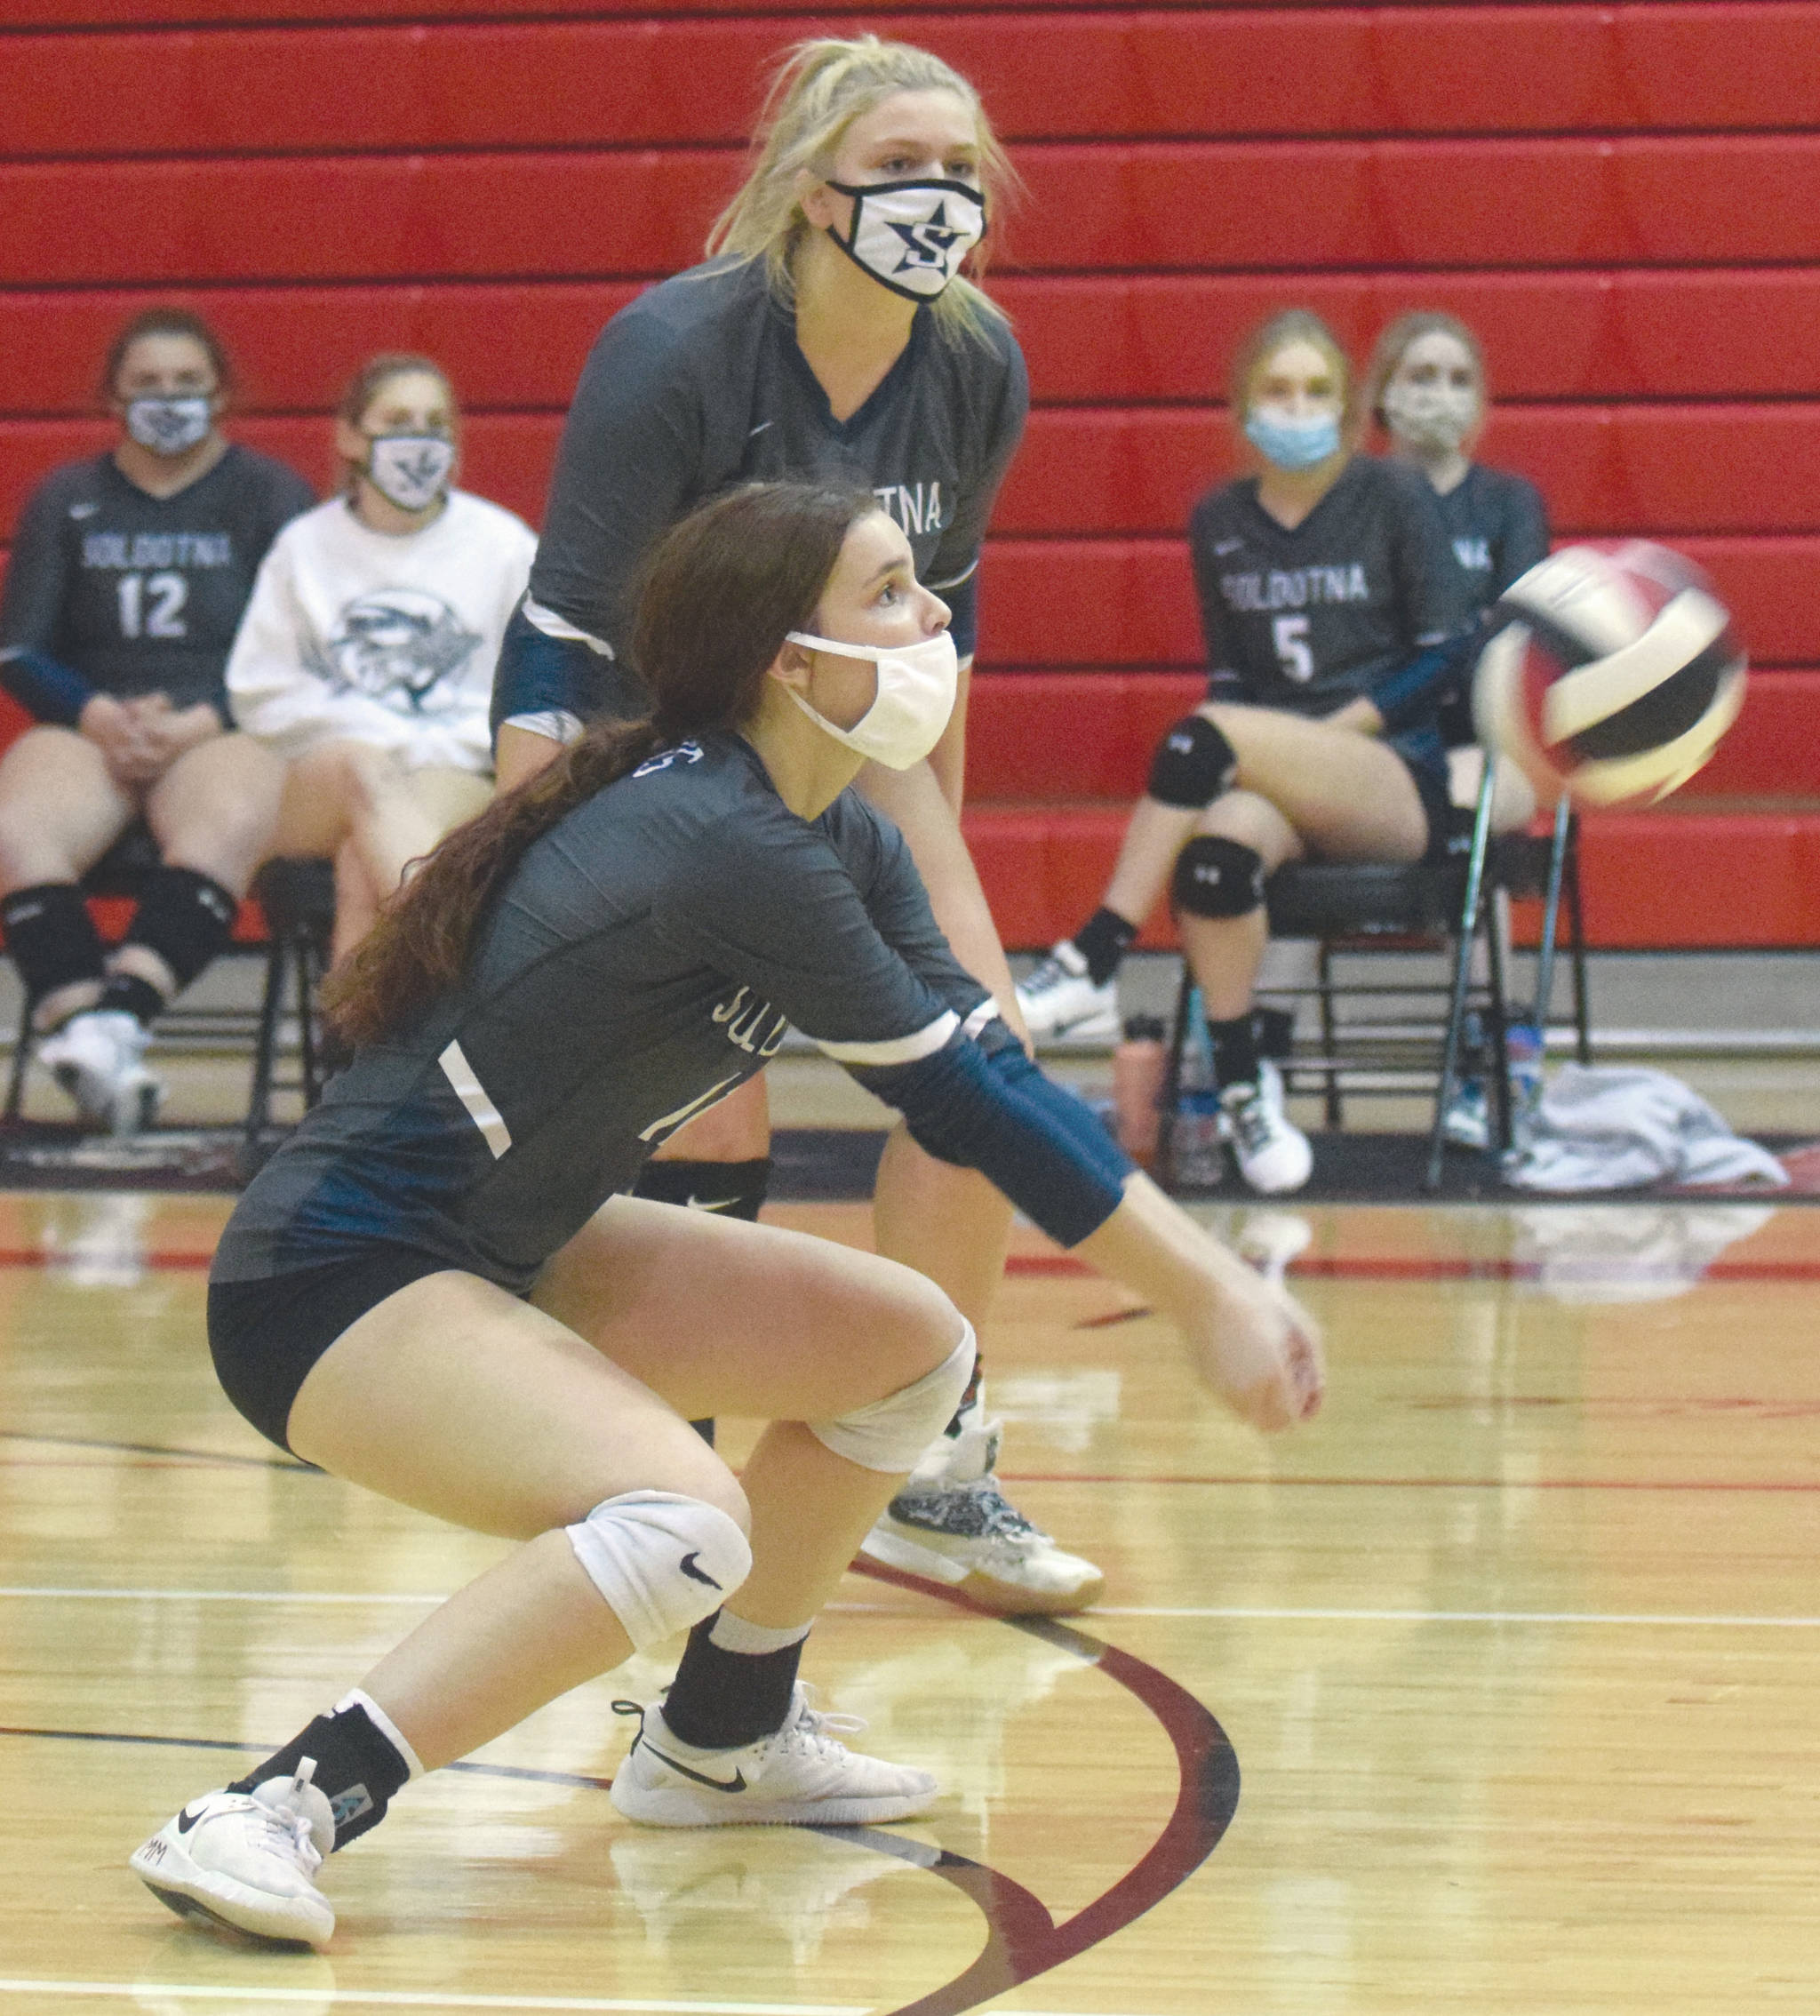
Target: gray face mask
x: 410, y: 470
x: 1430, y: 418
x: 170, y: 426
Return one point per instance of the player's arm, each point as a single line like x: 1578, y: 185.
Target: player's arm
x: 627, y: 464
x: 1522, y: 541
x: 1435, y: 602
x: 786, y: 917
x: 38, y: 581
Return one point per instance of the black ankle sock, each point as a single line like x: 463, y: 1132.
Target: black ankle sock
x: 138, y: 997
x: 729, y: 1189
x: 358, y: 1766
x: 722, y: 1699
x: 1103, y: 942
x: 1234, y: 1051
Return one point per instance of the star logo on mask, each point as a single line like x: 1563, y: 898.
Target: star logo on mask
x: 927, y: 244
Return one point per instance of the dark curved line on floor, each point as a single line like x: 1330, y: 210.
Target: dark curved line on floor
x: 265, y: 1749
x: 1022, y: 1940
x: 226, y: 1456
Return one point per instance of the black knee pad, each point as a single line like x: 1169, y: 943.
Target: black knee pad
x: 51, y: 937
x: 1218, y: 878
x: 1193, y: 763
x: 186, y: 918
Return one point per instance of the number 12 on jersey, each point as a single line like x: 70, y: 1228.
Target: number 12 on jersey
x: 151, y: 606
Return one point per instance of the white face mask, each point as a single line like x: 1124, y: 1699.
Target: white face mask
x: 912, y: 237
x: 170, y: 426
x: 410, y: 470
x: 1431, y: 418
x: 916, y: 696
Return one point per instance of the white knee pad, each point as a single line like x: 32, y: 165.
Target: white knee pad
x: 891, y: 1434
x: 663, y: 1561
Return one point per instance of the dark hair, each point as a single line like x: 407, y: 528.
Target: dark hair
x: 721, y: 592
x: 166, y: 322
x: 1290, y: 326
x: 1387, y: 353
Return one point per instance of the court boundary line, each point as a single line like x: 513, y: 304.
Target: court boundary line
x: 414, y: 1998
x: 1733, y: 1621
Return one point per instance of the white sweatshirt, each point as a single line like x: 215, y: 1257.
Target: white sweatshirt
x: 368, y: 637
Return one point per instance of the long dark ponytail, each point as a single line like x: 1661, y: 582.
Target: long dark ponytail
x: 722, y: 590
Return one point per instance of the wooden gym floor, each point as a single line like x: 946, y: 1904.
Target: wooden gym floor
x: 1494, y: 1690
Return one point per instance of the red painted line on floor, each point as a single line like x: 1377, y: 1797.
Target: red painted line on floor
x: 180, y: 1260
x: 1371, y: 1267
x: 1339, y: 1266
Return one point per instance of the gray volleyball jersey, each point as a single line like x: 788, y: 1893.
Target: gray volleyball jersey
x: 139, y: 593
x: 644, y: 959
x: 1498, y: 525
x: 1307, y: 619
x: 699, y: 384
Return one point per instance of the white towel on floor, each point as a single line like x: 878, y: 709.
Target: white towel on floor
x: 1617, y: 1129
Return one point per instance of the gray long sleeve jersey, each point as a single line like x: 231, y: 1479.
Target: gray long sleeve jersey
x: 644, y: 959
x: 699, y: 384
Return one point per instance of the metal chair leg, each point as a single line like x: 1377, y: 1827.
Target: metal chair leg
x: 1470, y: 910
x: 258, y: 1104
x: 1550, y: 917
x: 1577, y: 947
x: 1187, y: 1005
x: 21, y: 1061
x: 1335, y: 1107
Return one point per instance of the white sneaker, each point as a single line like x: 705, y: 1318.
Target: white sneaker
x: 802, y: 1776
x: 98, y: 1059
x: 1467, y: 1121
x: 245, y: 1861
x: 1056, y: 999
x: 953, y: 1525
x: 1272, y: 1156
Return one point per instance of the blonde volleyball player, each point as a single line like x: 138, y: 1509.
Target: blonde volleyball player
x: 831, y: 332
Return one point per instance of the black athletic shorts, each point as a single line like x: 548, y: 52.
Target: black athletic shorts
x: 265, y: 1335
x: 1426, y: 760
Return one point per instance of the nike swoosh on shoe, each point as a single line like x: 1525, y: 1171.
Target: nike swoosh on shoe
x: 736, y: 1783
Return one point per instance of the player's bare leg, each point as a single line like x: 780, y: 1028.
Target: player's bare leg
x: 953, y: 1523
x: 458, y: 1399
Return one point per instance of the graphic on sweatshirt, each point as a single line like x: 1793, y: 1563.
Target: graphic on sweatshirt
x: 397, y: 646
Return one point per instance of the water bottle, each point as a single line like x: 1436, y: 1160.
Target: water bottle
x: 1139, y: 1065
x: 1522, y: 1050
x: 1197, y: 1159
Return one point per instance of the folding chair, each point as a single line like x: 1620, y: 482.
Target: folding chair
x: 1350, y: 907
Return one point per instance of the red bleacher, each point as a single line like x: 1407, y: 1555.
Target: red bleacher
x: 1624, y: 199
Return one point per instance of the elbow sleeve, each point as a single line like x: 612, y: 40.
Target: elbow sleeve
x: 1409, y: 692
x: 997, y: 1113
x: 47, y: 689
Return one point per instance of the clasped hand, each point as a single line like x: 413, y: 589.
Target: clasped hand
x: 142, y: 737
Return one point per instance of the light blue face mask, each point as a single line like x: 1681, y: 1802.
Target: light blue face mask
x: 1293, y: 445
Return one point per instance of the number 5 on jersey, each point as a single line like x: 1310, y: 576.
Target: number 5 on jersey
x: 1290, y: 635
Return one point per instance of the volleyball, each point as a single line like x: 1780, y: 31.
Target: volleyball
x: 1612, y: 673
